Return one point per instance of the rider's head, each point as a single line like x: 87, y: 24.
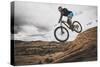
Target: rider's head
x: 60, y: 8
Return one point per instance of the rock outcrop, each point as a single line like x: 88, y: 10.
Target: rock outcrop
x: 83, y: 48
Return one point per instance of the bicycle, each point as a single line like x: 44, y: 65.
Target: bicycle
x: 62, y: 31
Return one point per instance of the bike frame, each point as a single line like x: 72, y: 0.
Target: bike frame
x: 64, y: 22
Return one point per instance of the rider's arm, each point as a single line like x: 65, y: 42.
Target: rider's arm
x: 60, y: 18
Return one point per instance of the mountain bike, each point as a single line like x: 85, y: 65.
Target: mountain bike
x: 61, y: 33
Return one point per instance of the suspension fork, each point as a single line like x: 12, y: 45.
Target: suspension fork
x: 61, y: 28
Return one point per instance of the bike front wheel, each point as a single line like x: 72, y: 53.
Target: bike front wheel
x: 61, y: 34
x: 77, y: 27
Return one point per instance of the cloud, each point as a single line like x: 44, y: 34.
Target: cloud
x: 25, y: 24
x: 38, y: 15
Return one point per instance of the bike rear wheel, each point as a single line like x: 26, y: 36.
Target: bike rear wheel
x: 77, y: 27
x: 62, y: 37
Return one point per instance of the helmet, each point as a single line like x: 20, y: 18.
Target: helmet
x: 59, y: 8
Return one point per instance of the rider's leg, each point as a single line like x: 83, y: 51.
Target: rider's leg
x: 70, y: 20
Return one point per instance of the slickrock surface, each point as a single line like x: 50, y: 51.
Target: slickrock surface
x: 83, y: 48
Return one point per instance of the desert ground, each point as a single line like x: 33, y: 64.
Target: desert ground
x: 83, y: 48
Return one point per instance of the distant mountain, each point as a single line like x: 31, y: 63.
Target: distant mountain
x: 83, y: 48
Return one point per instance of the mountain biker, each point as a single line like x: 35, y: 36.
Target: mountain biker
x: 65, y: 12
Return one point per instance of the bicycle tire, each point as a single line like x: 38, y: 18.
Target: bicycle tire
x: 57, y: 37
x: 79, y: 25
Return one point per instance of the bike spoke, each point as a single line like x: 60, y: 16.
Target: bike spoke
x: 61, y: 35
x: 77, y: 27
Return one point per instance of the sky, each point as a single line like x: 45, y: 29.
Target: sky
x: 37, y: 21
